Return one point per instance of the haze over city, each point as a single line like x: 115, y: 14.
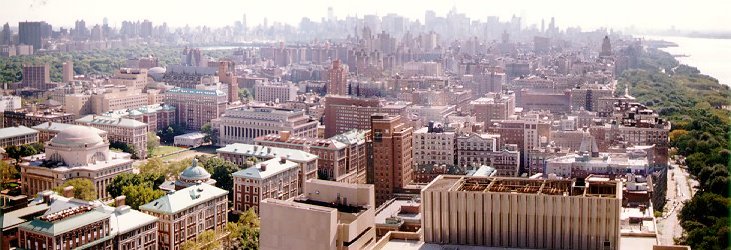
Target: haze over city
x: 364, y: 125
x: 653, y: 14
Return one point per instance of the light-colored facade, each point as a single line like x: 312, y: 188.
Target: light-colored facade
x: 275, y: 92
x: 196, y: 107
x: 522, y: 213
x: 433, y: 145
x: 344, y: 113
x: 76, y: 224
x: 277, y: 178
x: 186, y: 213
x: 242, y: 125
x: 239, y: 153
x: 76, y: 152
x: 328, y: 215
x: 10, y: 103
x: 16, y: 136
x: 130, y: 77
x: 122, y: 130
x: 48, y: 130
x: 191, y: 140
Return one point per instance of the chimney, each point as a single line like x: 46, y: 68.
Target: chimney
x: 284, y: 135
x: 263, y: 167
x: 68, y: 192
x: 283, y: 159
x: 119, y: 201
x: 46, y: 197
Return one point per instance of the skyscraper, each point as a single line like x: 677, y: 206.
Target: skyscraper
x: 337, y: 83
x: 6, y: 37
x: 606, y: 47
x: 29, y: 33
x: 392, y: 159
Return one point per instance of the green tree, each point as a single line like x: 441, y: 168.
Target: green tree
x: 210, y: 132
x: 244, y: 234
x: 83, y: 188
x: 14, y: 153
x: 221, y: 171
x: 148, y: 179
x: 7, y: 172
x: 244, y: 95
x: 152, y: 142
x: 138, y: 195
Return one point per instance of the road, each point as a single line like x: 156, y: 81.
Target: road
x: 679, y: 190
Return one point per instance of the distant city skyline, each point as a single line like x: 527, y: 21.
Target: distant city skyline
x: 655, y: 14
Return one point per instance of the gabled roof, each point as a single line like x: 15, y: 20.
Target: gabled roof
x: 273, y: 167
x: 182, y: 199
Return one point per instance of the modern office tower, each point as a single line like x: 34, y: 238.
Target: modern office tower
x: 522, y: 213
x: 36, y: 76
x: 328, y: 215
x: 68, y: 71
x: 277, y: 178
x: 337, y: 83
x: 196, y: 107
x: 186, y: 213
x: 343, y: 113
x: 242, y: 125
x: 76, y: 152
x: 392, y: 152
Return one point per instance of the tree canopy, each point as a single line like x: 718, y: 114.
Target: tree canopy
x: 83, y: 188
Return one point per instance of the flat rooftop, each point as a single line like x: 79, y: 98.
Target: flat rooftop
x: 399, y: 244
x: 588, y: 188
x: 340, y: 207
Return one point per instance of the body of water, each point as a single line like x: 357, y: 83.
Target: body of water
x: 711, y: 56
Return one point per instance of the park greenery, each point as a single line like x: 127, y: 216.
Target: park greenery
x: 124, y: 147
x: 94, y: 62
x: 17, y: 152
x: 153, y: 141
x: 698, y: 108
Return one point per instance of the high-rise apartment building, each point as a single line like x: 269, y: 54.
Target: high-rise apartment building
x: 36, y: 76
x: 344, y: 113
x: 31, y: 33
x: 337, y: 83
x: 68, y: 71
x: 392, y: 155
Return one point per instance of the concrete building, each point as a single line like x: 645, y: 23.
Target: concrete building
x: 242, y: 125
x: 16, y: 136
x: 10, y: 103
x: 70, y: 223
x: 432, y: 145
x: 186, y: 213
x: 36, y: 77
x: 189, y: 140
x: 76, y: 152
x: 48, y: 130
x: 31, y: 33
x: 343, y: 113
x: 157, y: 117
x: 277, y: 178
x: 196, y: 107
x: 30, y: 119
x: 475, y: 150
x: 275, y: 92
x: 587, y: 96
x: 337, y: 83
x: 493, y: 106
x: 67, y: 71
x: 130, y: 77
x: 328, y: 215
x: 392, y: 152
x: 239, y: 153
x: 522, y: 213
x: 341, y: 158
x: 120, y: 130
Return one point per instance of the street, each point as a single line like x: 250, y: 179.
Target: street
x: 679, y: 190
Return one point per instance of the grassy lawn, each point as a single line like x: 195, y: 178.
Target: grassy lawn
x: 162, y: 150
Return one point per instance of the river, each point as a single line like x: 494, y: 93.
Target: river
x: 710, y: 56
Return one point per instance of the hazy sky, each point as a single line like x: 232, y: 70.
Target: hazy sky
x: 654, y: 14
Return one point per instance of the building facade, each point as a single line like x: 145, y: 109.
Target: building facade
x: 242, y: 125
x: 392, y: 152
x: 16, y: 136
x: 239, y: 153
x: 195, y: 107
x: 121, y: 130
x: 277, y: 178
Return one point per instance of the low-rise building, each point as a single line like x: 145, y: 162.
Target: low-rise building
x: 121, y: 130
x: 239, y: 153
x: 75, y: 152
x: 277, y: 178
x: 190, y: 140
x: 275, y: 92
x: 186, y: 213
x: 70, y: 223
x: 48, y: 130
x: 16, y: 136
x: 242, y: 125
x: 30, y: 119
x: 328, y: 215
x: 433, y: 145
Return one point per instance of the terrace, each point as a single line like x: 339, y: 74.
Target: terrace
x: 592, y: 188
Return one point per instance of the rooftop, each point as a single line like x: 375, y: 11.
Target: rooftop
x: 267, y: 152
x: 107, y: 120
x: 11, y: 132
x: 588, y: 188
x: 272, y: 166
x: 190, y: 91
x: 58, y: 127
x: 180, y: 200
